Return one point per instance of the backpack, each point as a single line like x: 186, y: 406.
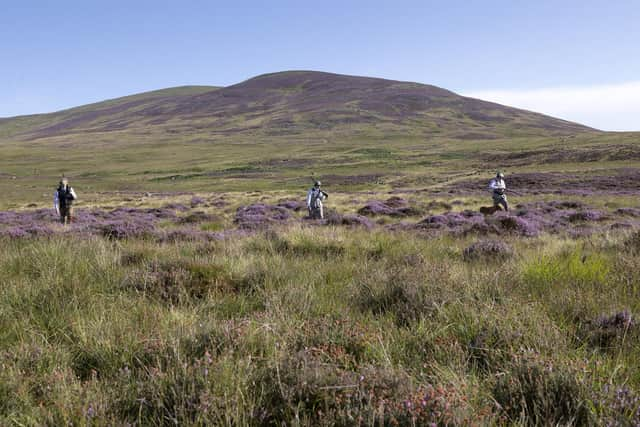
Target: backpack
x: 65, y: 197
x: 315, y: 195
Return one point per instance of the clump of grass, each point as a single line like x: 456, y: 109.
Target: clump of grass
x: 179, y: 280
x: 535, y: 392
x: 400, y: 293
x: 572, y: 267
x: 301, y: 387
x: 632, y: 242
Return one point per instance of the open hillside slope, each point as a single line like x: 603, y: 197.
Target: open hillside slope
x: 114, y: 114
x: 296, y: 103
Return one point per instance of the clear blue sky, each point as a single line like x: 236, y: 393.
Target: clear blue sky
x: 57, y: 54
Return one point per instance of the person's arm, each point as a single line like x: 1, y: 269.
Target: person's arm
x: 56, y: 202
x: 73, y: 193
x: 492, y: 184
x: 309, y: 198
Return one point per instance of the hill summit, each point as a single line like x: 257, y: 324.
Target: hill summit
x: 297, y: 103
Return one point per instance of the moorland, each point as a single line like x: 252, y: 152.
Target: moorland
x: 191, y: 289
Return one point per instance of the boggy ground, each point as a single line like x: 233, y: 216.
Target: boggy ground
x: 232, y: 309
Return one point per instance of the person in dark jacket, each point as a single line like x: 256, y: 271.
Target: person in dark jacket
x: 63, y: 201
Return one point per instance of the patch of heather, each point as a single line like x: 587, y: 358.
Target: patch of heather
x: 374, y: 208
x: 451, y: 220
x: 437, y: 205
x: 187, y: 235
x: 619, y: 406
x: 260, y: 215
x: 292, y: 205
x: 119, y: 230
x: 621, y: 225
x: 396, y: 202
x: 160, y: 213
x: 176, y: 207
x: 196, y: 201
x: 620, y: 181
x: 394, y: 206
x: 487, y: 249
x: 219, y: 203
x: 586, y: 215
x: 196, y: 217
x: 520, y: 225
x: 349, y: 220
x: 530, y: 219
x: 633, y: 212
x: 606, y: 331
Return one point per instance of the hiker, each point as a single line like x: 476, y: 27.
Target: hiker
x: 315, y: 196
x: 63, y: 201
x: 498, y: 188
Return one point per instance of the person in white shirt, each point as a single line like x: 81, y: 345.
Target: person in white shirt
x: 498, y: 188
x: 63, y: 201
x: 315, y: 196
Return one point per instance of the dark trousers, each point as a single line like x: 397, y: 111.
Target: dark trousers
x: 500, y: 200
x: 65, y: 214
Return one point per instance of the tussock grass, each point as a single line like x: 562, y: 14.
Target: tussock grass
x: 316, y: 326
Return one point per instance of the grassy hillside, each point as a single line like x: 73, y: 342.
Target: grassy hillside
x: 277, y: 131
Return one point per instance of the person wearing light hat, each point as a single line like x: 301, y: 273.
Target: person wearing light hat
x: 63, y: 201
x: 315, y: 196
x: 498, y: 188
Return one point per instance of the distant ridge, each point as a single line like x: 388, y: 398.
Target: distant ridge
x: 296, y: 103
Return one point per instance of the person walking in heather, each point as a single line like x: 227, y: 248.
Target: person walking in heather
x: 315, y: 196
x: 498, y: 187
x: 63, y: 201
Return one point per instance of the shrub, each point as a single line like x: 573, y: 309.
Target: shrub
x: 374, y: 208
x: 487, y: 250
x: 394, y: 206
x: 541, y: 394
x: 302, y: 388
x: 197, y: 216
x: 632, y: 243
x: 515, y: 224
x: 196, y: 201
x: 259, y: 216
x: 176, y: 281
x: 488, y: 349
x: 399, y: 293
x: 293, y: 205
x: 618, y: 407
x: 119, y: 230
x: 586, y: 215
x: 350, y: 220
x: 604, y: 331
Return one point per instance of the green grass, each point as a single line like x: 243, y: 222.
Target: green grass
x: 313, y: 327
